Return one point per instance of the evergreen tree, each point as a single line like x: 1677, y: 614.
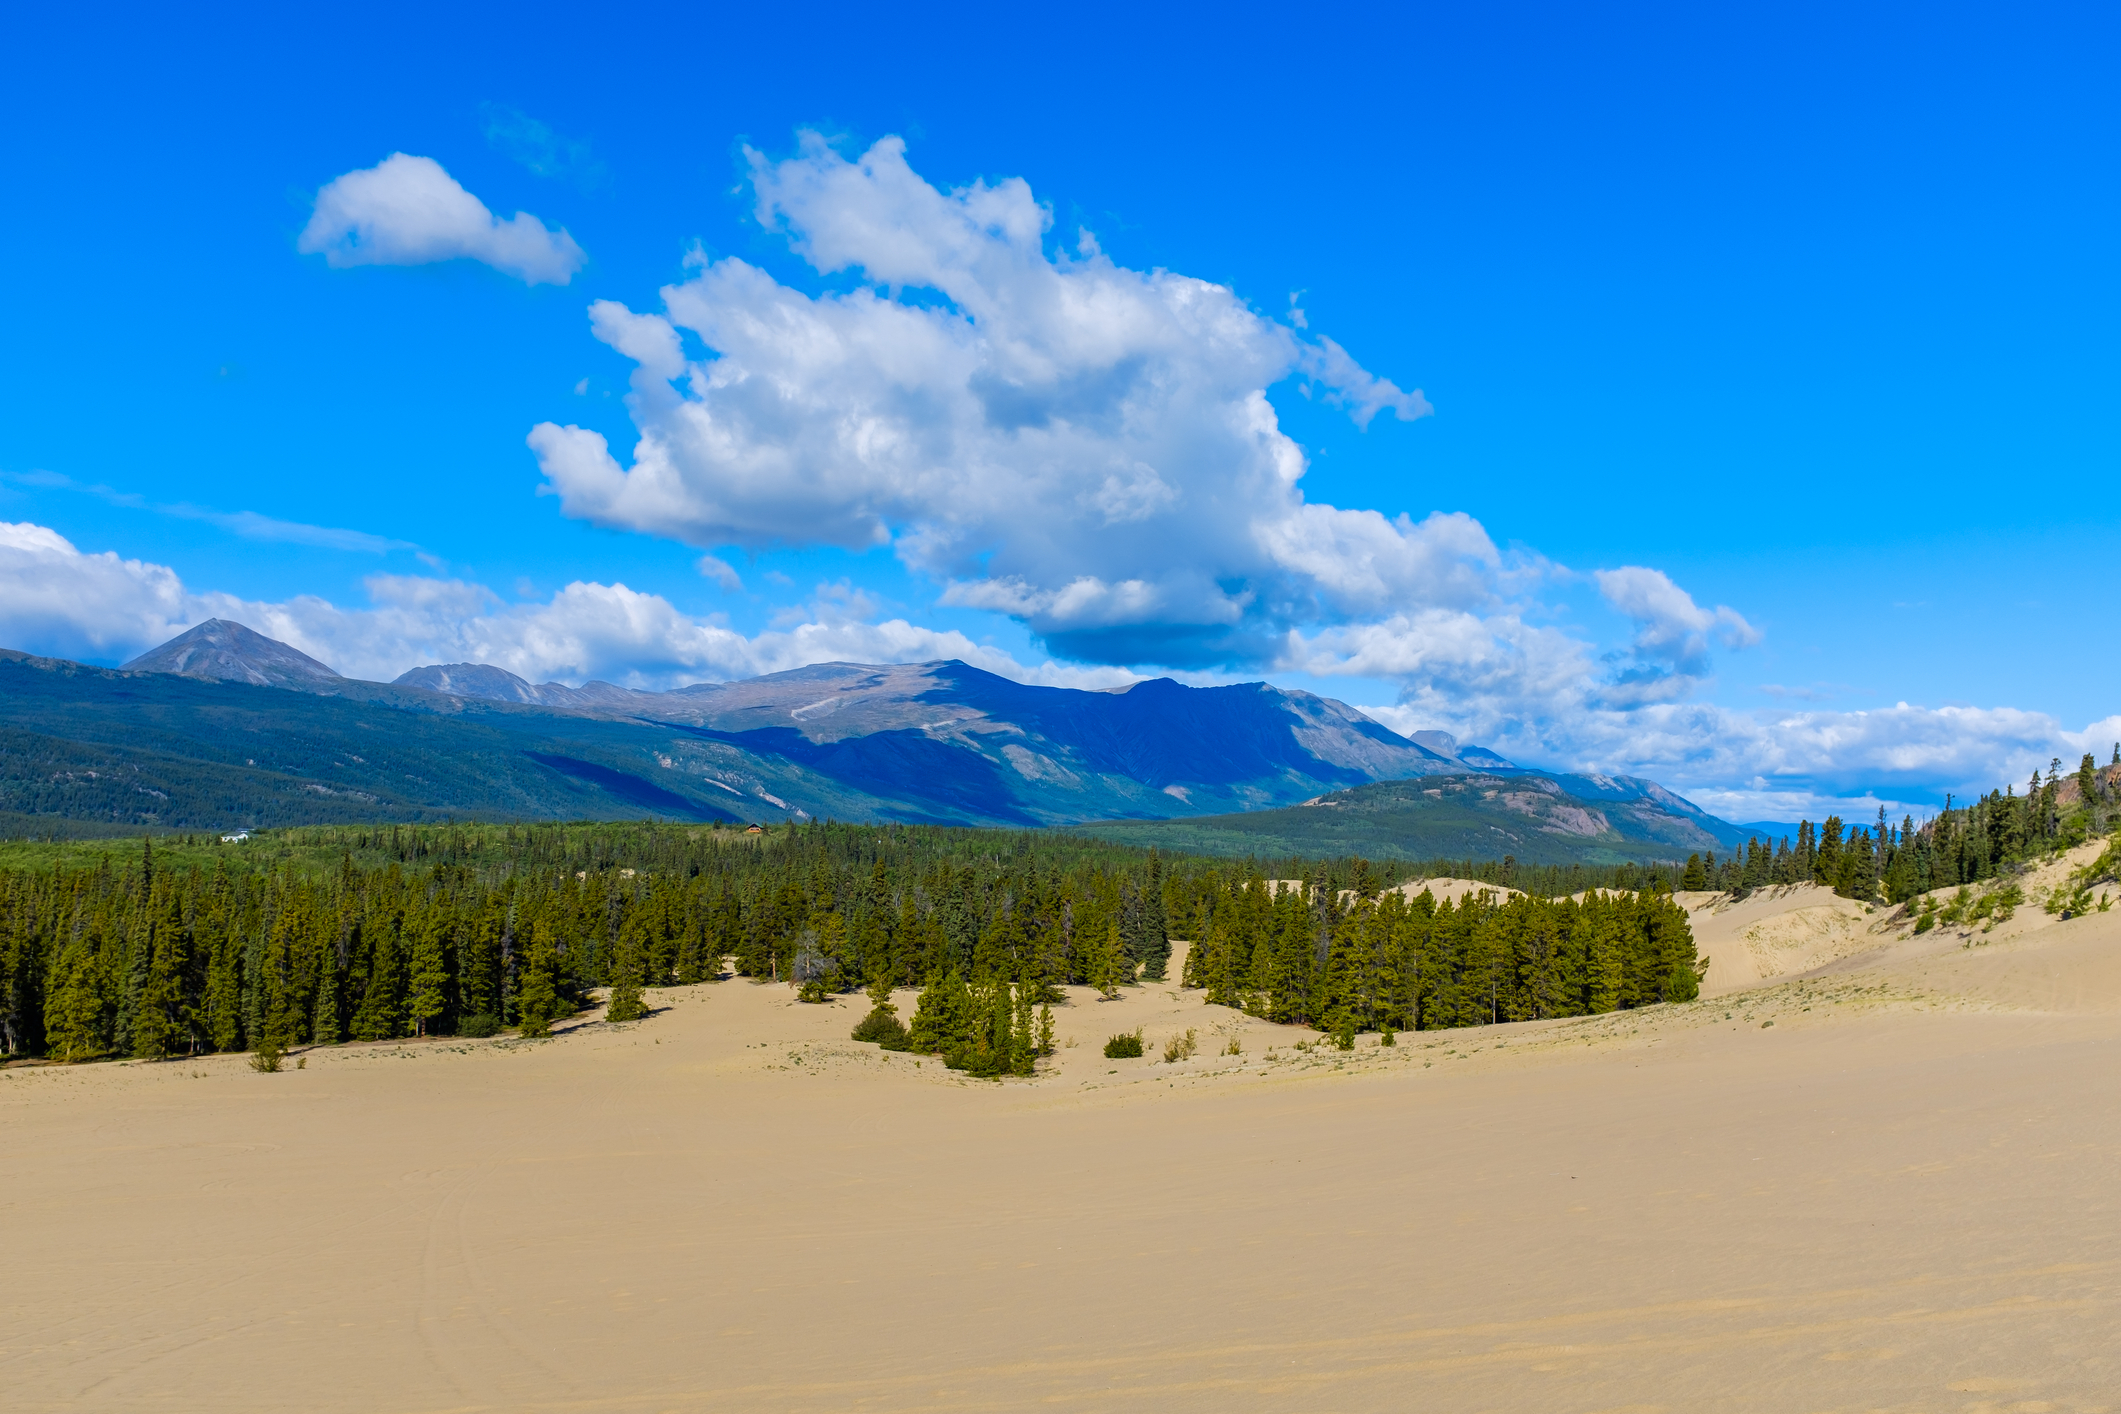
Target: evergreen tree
x: 882, y: 1025
x: 943, y: 1016
x: 1106, y: 966
x: 537, y: 992
x: 626, y: 1004
x: 79, y: 1009
x: 428, y: 996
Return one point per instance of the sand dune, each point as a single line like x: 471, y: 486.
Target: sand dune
x: 1775, y: 932
x: 1884, y: 1186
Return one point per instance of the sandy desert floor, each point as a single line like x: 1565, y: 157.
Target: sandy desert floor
x: 1888, y: 1183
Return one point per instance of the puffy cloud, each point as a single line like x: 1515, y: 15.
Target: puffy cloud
x: 1747, y: 765
x: 721, y: 572
x: 1055, y: 436
x: 1671, y: 629
x: 1492, y: 676
x: 608, y: 631
x: 407, y: 211
x: 55, y: 599
x: 1540, y: 695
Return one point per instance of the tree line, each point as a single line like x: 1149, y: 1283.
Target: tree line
x: 467, y: 929
x: 1964, y: 844
x: 1365, y: 960
x: 327, y: 935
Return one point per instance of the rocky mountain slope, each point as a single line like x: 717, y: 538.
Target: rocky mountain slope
x: 223, y: 726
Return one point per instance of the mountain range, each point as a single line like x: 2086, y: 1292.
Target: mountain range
x: 223, y: 726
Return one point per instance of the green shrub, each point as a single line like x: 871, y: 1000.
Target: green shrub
x: 1127, y: 1045
x: 882, y: 1026
x: 480, y: 1025
x: 1180, y: 1048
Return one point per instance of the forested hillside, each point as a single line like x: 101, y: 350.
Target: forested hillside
x: 319, y: 936
x: 1534, y: 817
x: 1960, y: 845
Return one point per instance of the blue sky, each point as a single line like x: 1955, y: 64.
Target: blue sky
x: 1798, y: 314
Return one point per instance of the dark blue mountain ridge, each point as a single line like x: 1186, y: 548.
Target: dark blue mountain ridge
x: 1040, y: 754
x: 940, y: 742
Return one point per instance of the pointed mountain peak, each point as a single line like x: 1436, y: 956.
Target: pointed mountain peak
x: 226, y: 651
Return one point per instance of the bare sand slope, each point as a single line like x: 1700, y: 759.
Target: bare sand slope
x: 1879, y: 1190
x: 1449, y: 890
x: 1807, y: 930
x: 1775, y: 932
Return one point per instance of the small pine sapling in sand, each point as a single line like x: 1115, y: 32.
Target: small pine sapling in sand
x: 1385, y: 1035
x: 265, y: 1056
x: 1344, y: 1033
x: 882, y: 1025
x: 1045, y: 1030
x: 1127, y: 1045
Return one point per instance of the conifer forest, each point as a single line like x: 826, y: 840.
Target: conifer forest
x: 172, y: 946
x: 1961, y: 844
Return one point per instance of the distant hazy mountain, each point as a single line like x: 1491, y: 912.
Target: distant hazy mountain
x: 219, y: 650
x: 238, y: 729
x: 483, y: 680
x: 1479, y: 758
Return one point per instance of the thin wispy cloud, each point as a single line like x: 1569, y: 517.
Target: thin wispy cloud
x: 536, y: 146
x: 250, y: 525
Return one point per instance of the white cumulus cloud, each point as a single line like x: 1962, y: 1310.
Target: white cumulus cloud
x: 1053, y: 435
x: 406, y: 210
x: 1488, y: 674
x: 1671, y: 629
x: 55, y: 599
x: 58, y: 599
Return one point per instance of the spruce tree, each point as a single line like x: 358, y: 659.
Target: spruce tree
x: 1107, y: 966
x: 1155, y: 946
x: 882, y: 1025
x: 626, y: 1004
x: 537, y: 995
x: 428, y: 997
x: 77, y: 1005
